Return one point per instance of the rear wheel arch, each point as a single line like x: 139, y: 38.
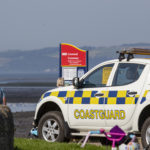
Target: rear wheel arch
x: 143, y: 116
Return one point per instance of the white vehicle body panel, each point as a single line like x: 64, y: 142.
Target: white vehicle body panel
x: 132, y: 111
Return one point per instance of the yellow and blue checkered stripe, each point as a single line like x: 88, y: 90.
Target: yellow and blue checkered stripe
x: 58, y: 94
x: 144, y: 97
x: 88, y: 97
x: 109, y: 97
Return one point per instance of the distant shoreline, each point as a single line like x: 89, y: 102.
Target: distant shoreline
x: 28, y: 84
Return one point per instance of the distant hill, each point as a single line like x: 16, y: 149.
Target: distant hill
x: 46, y: 60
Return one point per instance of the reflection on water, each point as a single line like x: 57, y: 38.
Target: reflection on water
x: 22, y: 107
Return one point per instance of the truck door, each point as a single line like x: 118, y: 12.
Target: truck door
x: 124, y: 93
x: 86, y: 104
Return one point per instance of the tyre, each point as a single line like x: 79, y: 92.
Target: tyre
x: 145, y: 133
x: 51, y: 127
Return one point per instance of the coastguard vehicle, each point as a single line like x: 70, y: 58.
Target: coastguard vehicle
x: 115, y: 92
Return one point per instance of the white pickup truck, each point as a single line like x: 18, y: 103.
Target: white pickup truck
x: 115, y: 92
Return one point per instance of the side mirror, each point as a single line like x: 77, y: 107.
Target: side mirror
x: 76, y: 82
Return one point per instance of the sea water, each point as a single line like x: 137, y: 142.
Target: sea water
x: 23, y: 91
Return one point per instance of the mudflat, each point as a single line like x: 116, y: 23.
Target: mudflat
x: 23, y: 123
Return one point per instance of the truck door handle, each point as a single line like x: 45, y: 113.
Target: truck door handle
x: 99, y: 94
x: 132, y: 93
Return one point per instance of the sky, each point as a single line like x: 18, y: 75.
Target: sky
x: 35, y: 24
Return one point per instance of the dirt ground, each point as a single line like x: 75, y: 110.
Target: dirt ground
x: 23, y: 123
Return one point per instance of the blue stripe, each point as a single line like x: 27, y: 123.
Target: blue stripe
x: 105, y: 100
x: 46, y: 94
x: 112, y: 94
x: 101, y: 100
x: 62, y: 94
x: 85, y: 100
x: 93, y: 93
x: 67, y: 101
x: 143, y: 99
x: 70, y: 100
x: 78, y: 94
x: 120, y: 100
x: 127, y: 95
x: 136, y: 99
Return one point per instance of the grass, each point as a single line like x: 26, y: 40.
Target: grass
x: 36, y: 144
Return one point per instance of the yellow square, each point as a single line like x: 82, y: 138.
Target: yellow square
x: 129, y: 100
x: 145, y: 93
x: 86, y: 93
x: 42, y: 96
x: 94, y: 100
x: 68, y: 94
x: 72, y: 93
x: 77, y: 100
x: 111, y: 100
x: 105, y: 93
x: 62, y: 99
x: 137, y: 96
x: 55, y: 93
x: 121, y: 93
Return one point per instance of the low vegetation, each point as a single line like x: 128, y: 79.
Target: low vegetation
x: 36, y: 144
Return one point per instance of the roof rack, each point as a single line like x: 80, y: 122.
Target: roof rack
x: 131, y: 51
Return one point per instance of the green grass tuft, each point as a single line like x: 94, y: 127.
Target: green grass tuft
x: 36, y: 144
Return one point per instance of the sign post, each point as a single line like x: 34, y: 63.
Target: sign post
x: 73, y: 62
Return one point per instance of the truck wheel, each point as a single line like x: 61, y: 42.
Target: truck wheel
x: 145, y: 133
x: 52, y: 127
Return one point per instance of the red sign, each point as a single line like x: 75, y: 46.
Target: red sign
x: 72, y: 56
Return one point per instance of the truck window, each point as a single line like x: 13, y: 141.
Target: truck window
x: 127, y: 73
x: 99, y: 77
